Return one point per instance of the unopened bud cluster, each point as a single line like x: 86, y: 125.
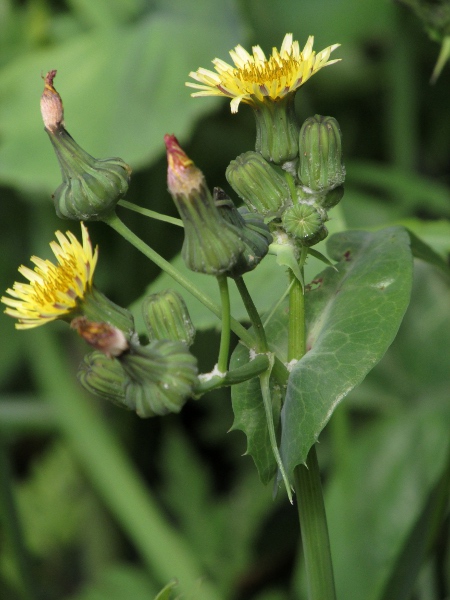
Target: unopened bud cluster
x: 300, y: 192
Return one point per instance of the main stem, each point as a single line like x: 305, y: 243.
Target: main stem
x: 307, y: 484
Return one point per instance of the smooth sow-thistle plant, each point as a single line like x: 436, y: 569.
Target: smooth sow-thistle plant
x: 294, y: 364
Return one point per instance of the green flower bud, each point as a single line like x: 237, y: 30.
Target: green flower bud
x: 305, y: 223
x: 167, y: 318
x: 321, y: 167
x: 276, y: 129
x: 161, y: 377
x: 152, y: 380
x: 104, y: 377
x: 91, y: 187
x: 255, y: 233
x: 261, y: 186
x: 211, y: 245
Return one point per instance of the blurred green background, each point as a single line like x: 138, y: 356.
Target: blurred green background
x: 112, y: 507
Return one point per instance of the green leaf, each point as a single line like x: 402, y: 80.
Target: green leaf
x: 352, y: 318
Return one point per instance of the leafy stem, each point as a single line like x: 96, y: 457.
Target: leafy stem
x: 307, y: 484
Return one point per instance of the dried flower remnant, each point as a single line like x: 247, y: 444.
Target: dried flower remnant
x: 101, y: 336
x: 51, y: 105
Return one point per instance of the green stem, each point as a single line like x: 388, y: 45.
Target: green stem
x: 296, y: 331
x: 116, y: 224
x: 307, y: 484
x: 13, y: 531
x: 253, y: 314
x: 315, y: 540
x: 151, y: 213
x: 163, y: 550
x: 252, y: 369
x: 222, y: 362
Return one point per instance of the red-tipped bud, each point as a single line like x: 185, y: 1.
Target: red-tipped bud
x: 183, y: 176
x: 211, y: 245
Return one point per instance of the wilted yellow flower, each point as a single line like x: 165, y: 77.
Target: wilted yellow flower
x: 54, y: 290
x: 256, y: 78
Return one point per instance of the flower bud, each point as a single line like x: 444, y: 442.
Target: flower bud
x: 161, y: 377
x: 91, y: 187
x: 321, y: 167
x: 259, y: 184
x: 255, y: 233
x: 211, y: 245
x: 305, y: 223
x: 167, y: 318
x: 152, y: 380
x: 104, y: 377
x: 101, y: 336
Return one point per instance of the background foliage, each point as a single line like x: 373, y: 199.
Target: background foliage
x: 93, y: 483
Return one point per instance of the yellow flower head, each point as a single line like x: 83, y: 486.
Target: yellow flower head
x: 54, y: 290
x: 256, y: 78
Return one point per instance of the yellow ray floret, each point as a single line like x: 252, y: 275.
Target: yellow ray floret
x: 256, y: 78
x: 53, y: 289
